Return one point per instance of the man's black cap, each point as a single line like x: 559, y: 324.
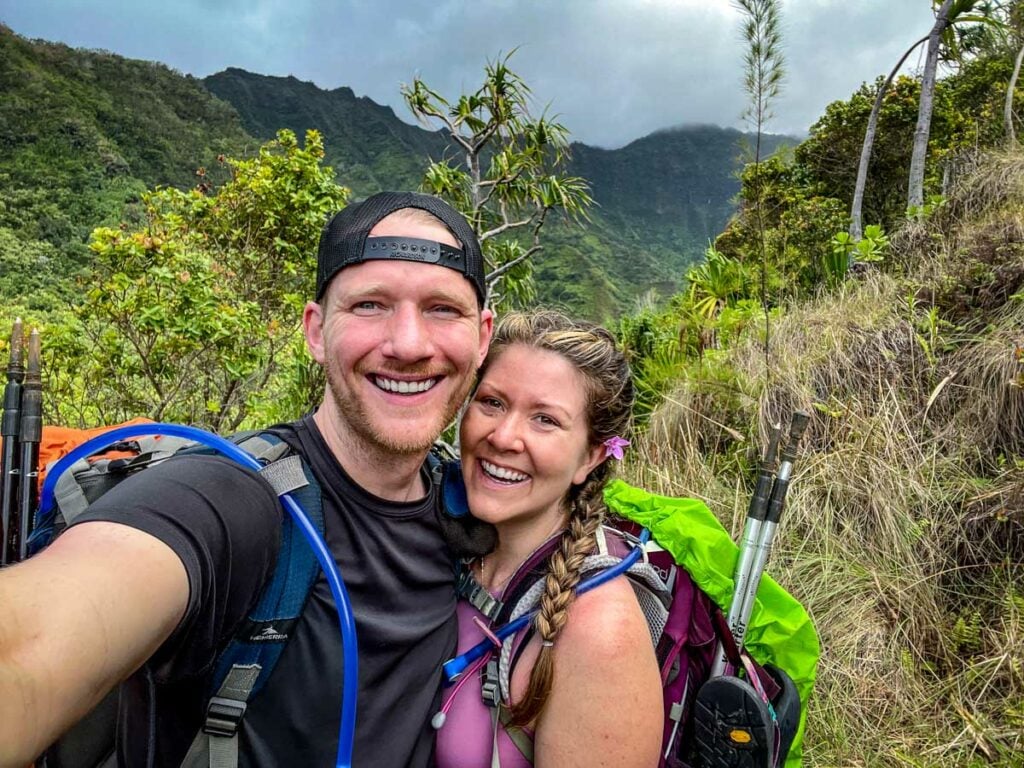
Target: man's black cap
x: 344, y: 240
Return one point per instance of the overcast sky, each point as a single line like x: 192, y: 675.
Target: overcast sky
x: 613, y: 70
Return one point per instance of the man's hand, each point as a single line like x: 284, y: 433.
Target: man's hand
x: 75, y: 621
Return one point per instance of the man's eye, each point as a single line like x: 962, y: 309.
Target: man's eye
x: 446, y: 309
x: 365, y: 306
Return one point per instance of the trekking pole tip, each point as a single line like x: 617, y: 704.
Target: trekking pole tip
x: 799, y: 423
x: 33, y: 351
x: 17, y: 342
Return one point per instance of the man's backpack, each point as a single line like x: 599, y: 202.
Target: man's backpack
x: 682, y: 622
x: 249, y: 659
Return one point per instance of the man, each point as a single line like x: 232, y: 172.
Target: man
x: 151, y: 582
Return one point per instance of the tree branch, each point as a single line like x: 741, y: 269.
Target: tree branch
x: 504, y: 228
x: 496, y: 275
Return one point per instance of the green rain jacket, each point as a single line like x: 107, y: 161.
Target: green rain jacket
x: 779, y: 632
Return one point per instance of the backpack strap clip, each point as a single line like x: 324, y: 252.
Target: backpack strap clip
x: 223, y: 716
x: 489, y: 688
x: 472, y: 592
x: 216, y: 745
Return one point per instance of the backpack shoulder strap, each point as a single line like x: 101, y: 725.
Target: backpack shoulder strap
x: 523, y: 594
x: 649, y: 587
x: 249, y: 659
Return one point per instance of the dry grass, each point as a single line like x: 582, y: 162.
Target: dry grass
x: 904, y: 530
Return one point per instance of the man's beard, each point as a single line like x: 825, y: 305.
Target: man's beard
x: 352, y: 410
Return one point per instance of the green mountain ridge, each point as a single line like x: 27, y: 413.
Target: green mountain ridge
x: 660, y: 199
x: 84, y: 133
x: 368, y: 146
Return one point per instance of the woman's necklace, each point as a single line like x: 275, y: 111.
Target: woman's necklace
x: 494, y: 589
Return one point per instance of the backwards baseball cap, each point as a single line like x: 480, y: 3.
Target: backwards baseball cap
x: 346, y: 239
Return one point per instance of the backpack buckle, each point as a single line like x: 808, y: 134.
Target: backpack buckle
x: 223, y: 716
x: 477, y: 596
x: 489, y: 689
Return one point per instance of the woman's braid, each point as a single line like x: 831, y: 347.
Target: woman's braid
x: 559, y: 592
x: 609, y: 400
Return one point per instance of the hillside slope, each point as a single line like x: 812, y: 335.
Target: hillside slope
x: 83, y: 134
x: 673, y: 189
x: 903, y: 532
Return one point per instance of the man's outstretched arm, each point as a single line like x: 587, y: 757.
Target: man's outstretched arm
x: 75, y: 621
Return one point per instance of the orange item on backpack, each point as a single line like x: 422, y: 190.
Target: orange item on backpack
x: 58, y: 442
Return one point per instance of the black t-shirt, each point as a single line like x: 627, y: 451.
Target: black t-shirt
x: 224, y: 524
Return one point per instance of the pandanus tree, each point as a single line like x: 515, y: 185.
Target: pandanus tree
x: 507, y: 175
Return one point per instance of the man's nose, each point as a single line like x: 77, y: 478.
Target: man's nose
x: 409, y: 335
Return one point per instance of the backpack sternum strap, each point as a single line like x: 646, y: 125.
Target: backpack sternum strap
x: 469, y: 589
x: 216, y: 745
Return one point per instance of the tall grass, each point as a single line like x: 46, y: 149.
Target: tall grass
x: 904, y: 529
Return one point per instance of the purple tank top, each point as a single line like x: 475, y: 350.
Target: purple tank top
x: 466, y: 739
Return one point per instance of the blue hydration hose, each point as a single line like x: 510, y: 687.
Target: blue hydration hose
x: 346, y: 621
x: 455, y: 667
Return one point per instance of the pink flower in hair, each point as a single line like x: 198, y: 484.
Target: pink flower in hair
x: 613, y: 447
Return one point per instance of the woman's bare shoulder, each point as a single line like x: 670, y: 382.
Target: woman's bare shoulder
x: 606, y: 623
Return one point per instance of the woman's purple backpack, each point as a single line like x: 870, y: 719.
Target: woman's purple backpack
x: 683, y: 627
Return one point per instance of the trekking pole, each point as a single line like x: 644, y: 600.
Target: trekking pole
x: 9, y: 428
x: 31, y: 434
x: 771, y: 521
x: 756, y: 512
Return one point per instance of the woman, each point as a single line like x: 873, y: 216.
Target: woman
x: 551, y: 406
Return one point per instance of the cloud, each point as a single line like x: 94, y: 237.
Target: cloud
x: 614, y: 70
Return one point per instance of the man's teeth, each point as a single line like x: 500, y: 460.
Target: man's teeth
x: 404, y: 387
x: 501, y: 473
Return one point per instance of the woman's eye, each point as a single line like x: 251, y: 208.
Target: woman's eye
x: 547, y: 420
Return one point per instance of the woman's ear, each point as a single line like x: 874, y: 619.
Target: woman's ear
x: 595, y: 455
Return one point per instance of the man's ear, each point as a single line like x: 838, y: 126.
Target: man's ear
x: 313, y: 328
x: 486, y: 331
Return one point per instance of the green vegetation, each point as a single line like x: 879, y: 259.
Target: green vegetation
x: 83, y: 134
x: 904, y: 534
x: 192, y: 315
